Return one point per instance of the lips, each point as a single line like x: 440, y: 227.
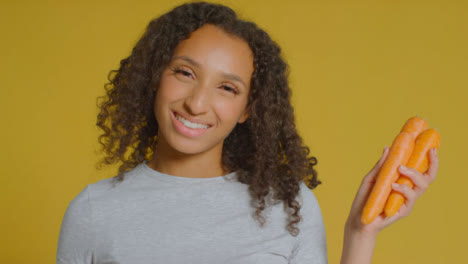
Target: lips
x: 186, y: 131
x: 193, y: 120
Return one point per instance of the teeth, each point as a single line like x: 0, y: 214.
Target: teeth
x: 190, y: 124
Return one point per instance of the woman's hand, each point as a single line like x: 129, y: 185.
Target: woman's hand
x: 421, y: 183
x: 359, y: 239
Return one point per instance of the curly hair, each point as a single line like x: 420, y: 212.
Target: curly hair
x: 265, y: 151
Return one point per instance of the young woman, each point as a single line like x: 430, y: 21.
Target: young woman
x: 213, y: 169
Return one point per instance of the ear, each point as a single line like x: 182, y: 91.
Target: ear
x: 244, y: 116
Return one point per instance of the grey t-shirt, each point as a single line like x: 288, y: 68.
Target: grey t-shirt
x: 153, y: 217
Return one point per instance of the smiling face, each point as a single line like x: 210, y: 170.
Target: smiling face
x: 207, y: 83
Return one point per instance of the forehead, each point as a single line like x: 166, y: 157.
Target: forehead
x: 215, y: 50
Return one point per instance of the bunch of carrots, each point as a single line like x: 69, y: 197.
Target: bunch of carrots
x: 410, y: 148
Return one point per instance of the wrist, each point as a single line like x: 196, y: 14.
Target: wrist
x: 358, y: 247
x: 360, y: 232
x: 360, y: 237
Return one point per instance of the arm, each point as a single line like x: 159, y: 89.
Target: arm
x: 76, y: 238
x: 359, y: 240
x: 357, y: 248
x: 310, y: 244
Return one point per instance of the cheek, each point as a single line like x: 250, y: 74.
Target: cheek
x: 229, y: 111
x: 170, y: 90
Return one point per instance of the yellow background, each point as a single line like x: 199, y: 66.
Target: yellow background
x: 358, y: 71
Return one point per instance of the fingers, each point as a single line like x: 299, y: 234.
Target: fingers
x: 407, y: 191
x: 433, y: 165
x: 410, y: 196
x: 392, y: 219
x: 417, y: 178
x: 421, y: 181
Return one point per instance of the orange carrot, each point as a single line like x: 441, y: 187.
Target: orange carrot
x: 427, y: 140
x: 415, y: 126
x: 399, y: 153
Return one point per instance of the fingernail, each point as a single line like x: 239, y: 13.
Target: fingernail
x: 403, y: 168
x: 395, y: 185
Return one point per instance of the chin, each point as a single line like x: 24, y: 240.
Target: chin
x: 189, y: 147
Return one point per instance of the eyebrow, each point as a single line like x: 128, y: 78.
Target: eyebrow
x: 187, y: 59
x: 225, y: 75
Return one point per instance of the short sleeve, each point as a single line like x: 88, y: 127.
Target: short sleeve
x: 76, y: 239
x: 311, y: 244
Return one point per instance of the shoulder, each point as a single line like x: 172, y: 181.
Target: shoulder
x: 111, y: 186
x: 106, y: 190
x: 308, y: 198
x: 310, y: 245
x: 311, y: 214
x: 80, y: 203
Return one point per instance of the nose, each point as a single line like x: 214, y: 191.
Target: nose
x: 197, y: 101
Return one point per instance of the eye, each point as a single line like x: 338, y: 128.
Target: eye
x: 181, y: 71
x: 229, y: 89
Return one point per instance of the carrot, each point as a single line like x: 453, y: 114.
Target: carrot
x: 399, y: 153
x: 415, y: 126
x: 427, y: 140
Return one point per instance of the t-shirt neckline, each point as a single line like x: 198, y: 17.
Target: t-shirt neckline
x: 173, y: 178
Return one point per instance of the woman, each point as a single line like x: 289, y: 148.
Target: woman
x: 213, y: 168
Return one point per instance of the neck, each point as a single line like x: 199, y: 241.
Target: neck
x: 200, y: 165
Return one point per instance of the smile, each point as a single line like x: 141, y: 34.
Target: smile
x: 187, y: 128
x: 190, y: 124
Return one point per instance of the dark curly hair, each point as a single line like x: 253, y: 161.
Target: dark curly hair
x: 265, y: 151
